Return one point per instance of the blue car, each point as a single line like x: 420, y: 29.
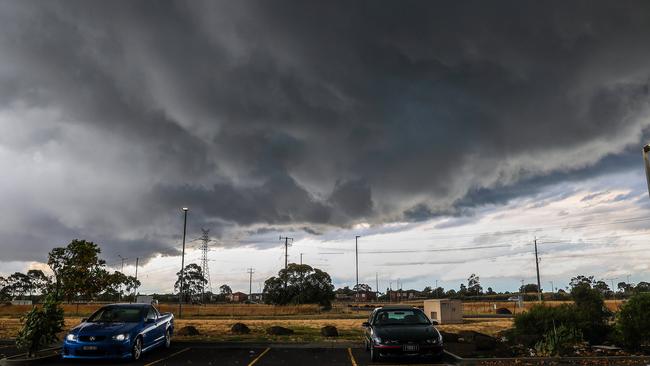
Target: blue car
x: 119, y: 331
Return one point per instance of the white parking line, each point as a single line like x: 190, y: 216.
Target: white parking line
x: 258, y: 357
x: 168, y: 357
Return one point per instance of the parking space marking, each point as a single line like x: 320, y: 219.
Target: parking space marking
x: 354, y: 362
x: 168, y: 357
x: 260, y: 356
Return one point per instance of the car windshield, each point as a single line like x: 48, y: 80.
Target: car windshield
x: 116, y: 314
x: 401, y: 317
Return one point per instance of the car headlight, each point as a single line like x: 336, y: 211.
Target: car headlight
x: 121, y: 337
x: 71, y: 337
x: 375, y: 338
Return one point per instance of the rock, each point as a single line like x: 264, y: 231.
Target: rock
x: 449, y: 337
x: 504, y: 311
x: 239, y: 328
x: 275, y: 330
x: 329, y: 331
x: 188, y: 331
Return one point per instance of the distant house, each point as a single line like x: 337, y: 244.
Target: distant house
x: 403, y: 295
x: 237, y: 297
x: 343, y: 297
x: 365, y: 296
x: 257, y: 298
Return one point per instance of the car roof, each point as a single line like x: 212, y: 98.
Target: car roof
x: 397, y: 307
x: 127, y: 305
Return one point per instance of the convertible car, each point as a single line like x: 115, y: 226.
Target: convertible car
x: 401, y: 331
x: 119, y: 331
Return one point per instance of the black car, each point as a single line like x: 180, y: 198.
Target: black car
x: 401, y: 331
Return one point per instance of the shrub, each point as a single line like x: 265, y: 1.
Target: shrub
x: 40, y: 326
x: 591, y: 314
x: 633, y: 323
x: 558, y: 342
x: 540, y: 320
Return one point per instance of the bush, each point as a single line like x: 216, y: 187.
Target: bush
x: 591, y: 315
x: 558, y: 342
x: 40, y: 326
x: 633, y: 323
x: 540, y: 320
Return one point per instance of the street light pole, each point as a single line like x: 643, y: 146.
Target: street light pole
x: 180, y: 291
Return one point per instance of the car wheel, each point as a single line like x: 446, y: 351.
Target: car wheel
x: 168, y: 338
x: 136, y: 351
x: 374, y: 355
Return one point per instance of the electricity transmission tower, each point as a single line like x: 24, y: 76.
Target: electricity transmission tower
x: 286, y: 250
x: 205, y: 238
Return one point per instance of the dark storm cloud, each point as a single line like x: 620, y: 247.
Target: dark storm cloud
x: 315, y: 113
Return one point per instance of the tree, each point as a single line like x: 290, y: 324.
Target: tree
x: 438, y: 293
x: 581, y: 280
x: 591, y: 313
x: 193, y: 282
x: 38, y: 281
x: 490, y: 291
x: 299, y: 284
x: 78, y: 271
x: 642, y: 287
x: 528, y: 288
x: 362, y: 287
x: 225, y: 290
x: 633, y: 322
x: 474, y: 285
x: 603, y: 288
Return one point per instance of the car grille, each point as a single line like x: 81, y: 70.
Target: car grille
x: 91, y: 338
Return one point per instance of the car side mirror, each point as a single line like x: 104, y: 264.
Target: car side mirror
x: 84, y: 320
x: 365, y: 324
x: 434, y: 322
x: 149, y: 320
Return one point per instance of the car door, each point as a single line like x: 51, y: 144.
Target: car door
x: 150, y: 332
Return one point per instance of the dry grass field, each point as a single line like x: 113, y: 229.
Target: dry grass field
x: 216, y: 310
x: 306, y: 330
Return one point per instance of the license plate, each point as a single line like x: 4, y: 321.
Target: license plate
x: 90, y: 348
x: 410, y: 347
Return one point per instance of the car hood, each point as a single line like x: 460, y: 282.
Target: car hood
x: 406, y: 333
x: 104, y: 328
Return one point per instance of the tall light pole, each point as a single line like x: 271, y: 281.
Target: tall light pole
x: 356, y: 255
x: 646, y: 162
x: 539, y: 285
x: 180, y: 292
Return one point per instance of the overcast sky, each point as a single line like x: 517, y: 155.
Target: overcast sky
x: 456, y: 132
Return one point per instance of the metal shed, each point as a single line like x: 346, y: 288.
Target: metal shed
x: 444, y: 311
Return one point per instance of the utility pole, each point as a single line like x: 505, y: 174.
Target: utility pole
x: 286, y: 250
x: 539, y: 286
x: 121, y: 270
x: 180, y: 290
x: 356, y: 255
x: 135, y: 292
x: 250, y: 284
x: 436, y: 284
x: 301, y: 258
x: 377, y: 286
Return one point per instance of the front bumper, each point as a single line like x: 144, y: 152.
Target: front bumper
x: 96, y: 350
x: 423, y: 350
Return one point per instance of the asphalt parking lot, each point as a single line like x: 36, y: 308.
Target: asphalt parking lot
x: 206, y: 354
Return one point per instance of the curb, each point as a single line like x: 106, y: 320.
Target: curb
x: 20, y: 360
x: 247, y: 345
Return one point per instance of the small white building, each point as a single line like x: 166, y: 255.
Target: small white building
x: 444, y: 311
